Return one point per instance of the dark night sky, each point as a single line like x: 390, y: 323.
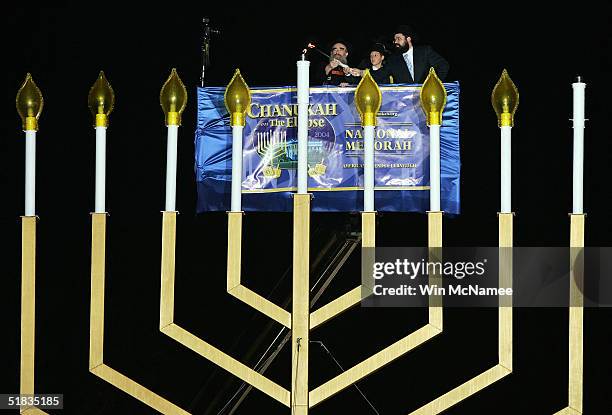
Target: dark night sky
x: 65, y: 49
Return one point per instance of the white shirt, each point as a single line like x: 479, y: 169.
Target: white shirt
x: 408, y: 57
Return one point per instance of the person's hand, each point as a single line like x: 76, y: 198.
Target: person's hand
x: 346, y: 70
x: 333, y: 63
x: 356, y: 72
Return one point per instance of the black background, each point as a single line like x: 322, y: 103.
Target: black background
x: 65, y: 48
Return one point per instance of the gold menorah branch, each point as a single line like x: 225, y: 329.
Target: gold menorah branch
x: 576, y: 317
x: 504, y: 364
x: 28, y: 310
x: 96, y: 334
x: 167, y: 325
x: 234, y: 286
x: 173, y: 330
x: 353, y: 297
x: 576, y: 313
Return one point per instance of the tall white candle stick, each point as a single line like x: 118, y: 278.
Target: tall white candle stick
x: 173, y: 99
x: 303, y: 92
x: 506, y: 169
x: 578, y: 121
x: 30, y: 173
x: 368, y: 99
x: 368, y: 168
x: 171, y: 160
x: 505, y: 100
x: 100, y: 198
x: 433, y: 101
x: 29, y: 106
x: 101, y: 101
x: 236, y: 202
x: 434, y: 168
x: 237, y: 101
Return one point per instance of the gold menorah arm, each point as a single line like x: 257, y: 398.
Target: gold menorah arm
x: 568, y: 411
x: 189, y: 340
x: 234, y: 286
x: 34, y: 411
x: 28, y: 302
x: 456, y: 395
x: 209, y: 352
x: 434, y: 243
x: 96, y: 328
x: 98, y: 272
x: 576, y: 314
x: 505, y: 280
x: 28, y: 310
x: 504, y: 333
x: 224, y: 361
x: 335, y: 307
x: 372, y: 364
x: 353, y: 297
x: 136, y: 390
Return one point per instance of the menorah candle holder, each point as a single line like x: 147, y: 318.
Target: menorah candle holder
x: 576, y: 289
x: 29, y: 103
x: 301, y: 319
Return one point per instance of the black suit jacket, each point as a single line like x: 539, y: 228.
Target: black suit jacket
x: 424, y: 57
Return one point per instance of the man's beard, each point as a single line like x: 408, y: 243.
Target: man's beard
x: 402, y: 49
x: 340, y: 58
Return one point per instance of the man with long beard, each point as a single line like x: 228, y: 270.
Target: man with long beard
x: 337, y: 71
x: 411, y: 63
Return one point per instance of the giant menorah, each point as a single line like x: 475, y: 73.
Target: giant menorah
x: 301, y: 320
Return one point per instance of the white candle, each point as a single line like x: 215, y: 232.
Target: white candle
x: 236, y: 204
x: 506, y: 169
x: 578, y: 118
x: 434, y: 168
x: 368, y: 168
x: 171, y: 168
x: 303, y: 92
x: 100, y: 206
x: 30, y: 173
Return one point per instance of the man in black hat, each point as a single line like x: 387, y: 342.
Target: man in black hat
x: 412, y: 61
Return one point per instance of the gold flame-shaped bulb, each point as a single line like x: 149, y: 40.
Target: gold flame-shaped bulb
x: 368, y: 99
x: 505, y: 99
x: 29, y: 104
x: 433, y: 98
x: 237, y: 99
x: 173, y: 98
x: 101, y: 100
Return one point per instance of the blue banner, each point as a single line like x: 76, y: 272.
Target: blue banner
x: 335, y: 151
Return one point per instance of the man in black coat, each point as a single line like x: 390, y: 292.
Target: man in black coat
x: 337, y: 71
x: 411, y: 63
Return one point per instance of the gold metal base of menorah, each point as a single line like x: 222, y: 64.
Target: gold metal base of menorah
x: 300, y: 317
x: 302, y: 321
